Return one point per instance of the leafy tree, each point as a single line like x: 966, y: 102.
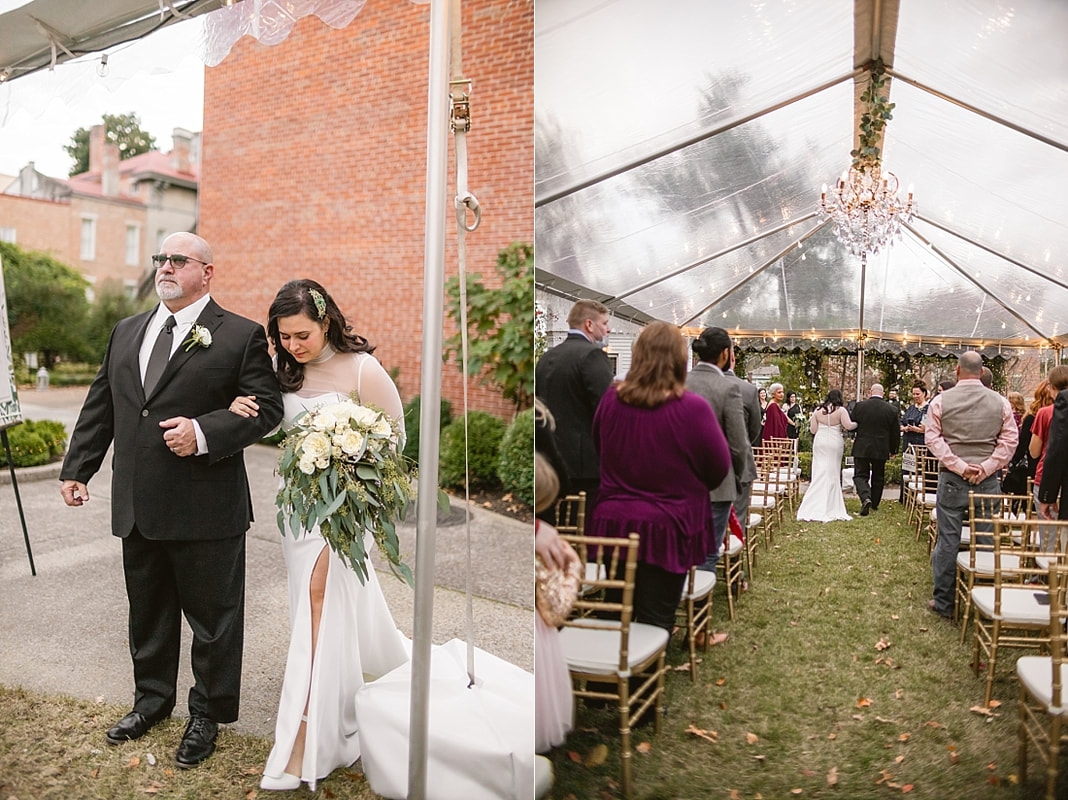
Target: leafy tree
x: 122, y: 129
x: 111, y: 305
x: 501, y: 326
x: 46, y: 305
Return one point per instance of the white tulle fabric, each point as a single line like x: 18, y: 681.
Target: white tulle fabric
x: 268, y: 21
x: 823, y: 501
x: 357, y: 639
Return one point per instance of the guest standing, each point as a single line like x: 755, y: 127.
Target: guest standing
x: 878, y: 433
x: 775, y: 424
x: 661, y: 453
x: 793, y: 415
x: 912, y: 428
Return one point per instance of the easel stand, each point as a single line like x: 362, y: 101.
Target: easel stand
x: 18, y: 497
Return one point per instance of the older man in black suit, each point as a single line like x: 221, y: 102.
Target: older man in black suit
x: 180, y: 496
x: 571, y: 379
x: 877, y: 437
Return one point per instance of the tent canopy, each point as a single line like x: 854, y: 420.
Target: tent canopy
x: 681, y: 149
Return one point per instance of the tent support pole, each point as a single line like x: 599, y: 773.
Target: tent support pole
x: 430, y: 389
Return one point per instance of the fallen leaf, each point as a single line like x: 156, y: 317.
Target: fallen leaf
x: 932, y: 724
x: 752, y: 738
x: 796, y: 791
x: 596, y: 756
x: 986, y: 712
x: 735, y: 795
x: 251, y: 794
x: 886, y: 721
x: 168, y: 772
x: 832, y: 777
x: 682, y: 667
x: 832, y: 735
x: 863, y: 702
x: 882, y: 644
x: 721, y: 681
x: 761, y: 758
x: 859, y: 717
x: 133, y: 762
x: 994, y: 703
x: 94, y: 773
x: 903, y: 737
x: 886, y: 776
x: 899, y: 694
x: 644, y: 748
x: 992, y: 766
x: 954, y: 758
x: 894, y: 616
x: 1014, y: 778
x: 574, y: 757
x: 906, y: 788
x: 792, y: 622
x: 899, y: 759
x: 712, y: 736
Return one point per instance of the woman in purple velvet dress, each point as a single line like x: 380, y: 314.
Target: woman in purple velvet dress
x: 661, y: 451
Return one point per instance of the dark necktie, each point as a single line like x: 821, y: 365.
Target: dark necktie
x: 160, y: 355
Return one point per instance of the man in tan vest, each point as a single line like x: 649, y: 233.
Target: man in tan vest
x: 971, y: 431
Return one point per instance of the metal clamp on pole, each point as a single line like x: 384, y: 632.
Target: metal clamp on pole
x: 460, y: 117
x: 468, y: 201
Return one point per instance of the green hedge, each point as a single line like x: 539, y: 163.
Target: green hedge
x: 411, y: 424
x: 484, y: 442
x: 34, y: 443
x: 515, y: 467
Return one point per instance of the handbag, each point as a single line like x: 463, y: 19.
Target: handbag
x: 1014, y: 481
x: 555, y: 590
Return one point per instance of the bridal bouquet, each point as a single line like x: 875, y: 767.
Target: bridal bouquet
x: 343, y: 470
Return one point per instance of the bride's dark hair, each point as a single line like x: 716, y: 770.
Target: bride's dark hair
x: 305, y: 296
x: 833, y: 401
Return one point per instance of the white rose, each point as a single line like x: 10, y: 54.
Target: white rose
x: 322, y: 463
x: 382, y: 427
x: 351, y: 442
x: 362, y: 415
x: 307, y: 465
x: 205, y: 337
x: 315, y: 446
x: 324, y: 420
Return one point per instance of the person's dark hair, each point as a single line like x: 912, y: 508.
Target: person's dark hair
x: 833, y: 401
x: 948, y: 383
x: 657, y: 367
x: 793, y: 395
x: 921, y: 385
x: 1058, y: 377
x: 299, y: 297
x: 709, y: 346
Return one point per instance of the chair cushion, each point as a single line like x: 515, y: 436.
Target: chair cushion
x: 754, y: 520
x: 597, y: 651
x: 732, y: 546
x: 1036, y: 674
x: 984, y: 562
x: 704, y: 581
x: 1018, y: 604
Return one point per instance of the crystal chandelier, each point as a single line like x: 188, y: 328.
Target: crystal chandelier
x: 865, y: 209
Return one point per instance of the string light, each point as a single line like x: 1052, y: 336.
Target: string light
x: 102, y: 68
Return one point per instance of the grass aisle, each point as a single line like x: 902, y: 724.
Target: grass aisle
x: 836, y: 682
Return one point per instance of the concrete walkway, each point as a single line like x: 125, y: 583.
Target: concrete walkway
x: 63, y: 631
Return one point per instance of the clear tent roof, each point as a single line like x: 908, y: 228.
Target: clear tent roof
x: 681, y: 148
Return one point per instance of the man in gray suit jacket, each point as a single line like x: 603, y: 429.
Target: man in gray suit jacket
x: 713, y: 348
x: 753, y: 413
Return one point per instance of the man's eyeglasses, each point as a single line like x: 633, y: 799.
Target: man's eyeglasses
x: 177, y: 260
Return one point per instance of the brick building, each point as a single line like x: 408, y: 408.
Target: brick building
x: 314, y: 165
x: 106, y: 222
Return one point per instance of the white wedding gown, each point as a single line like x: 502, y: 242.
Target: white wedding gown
x: 357, y: 638
x: 823, y: 501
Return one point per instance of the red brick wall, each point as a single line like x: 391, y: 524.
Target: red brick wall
x: 314, y: 165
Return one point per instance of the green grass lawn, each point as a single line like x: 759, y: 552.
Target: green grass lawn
x: 836, y: 682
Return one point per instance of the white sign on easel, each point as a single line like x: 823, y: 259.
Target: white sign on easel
x: 10, y: 413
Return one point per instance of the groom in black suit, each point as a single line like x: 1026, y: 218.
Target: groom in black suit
x: 180, y: 496
x: 877, y: 437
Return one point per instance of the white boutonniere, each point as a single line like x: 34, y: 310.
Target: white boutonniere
x: 199, y: 335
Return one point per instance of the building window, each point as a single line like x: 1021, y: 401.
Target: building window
x: 88, y: 238
x: 130, y: 288
x: 133, y: 245
x: 7, y: 235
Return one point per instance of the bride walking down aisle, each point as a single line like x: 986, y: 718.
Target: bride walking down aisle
x: 823, y: 501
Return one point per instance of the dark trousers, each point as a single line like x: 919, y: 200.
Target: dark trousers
x: 657, y: 593
x: 869, y: 477
x: 205, y: 580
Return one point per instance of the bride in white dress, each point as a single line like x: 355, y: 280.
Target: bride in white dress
x: 341, y: 631
x: 823, y: 501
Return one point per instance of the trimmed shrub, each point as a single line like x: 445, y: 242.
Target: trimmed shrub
x: 484, y: 441
x: 411, y: 425
x: 516, y: 465
x: 34, y: 443
x: 893, y: 469
x: 805, y: 460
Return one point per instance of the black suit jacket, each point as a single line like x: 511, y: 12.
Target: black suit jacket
x: 570, y: 379
x: 1055, y: 461
x: 167, y: 497
x: 878, y: 429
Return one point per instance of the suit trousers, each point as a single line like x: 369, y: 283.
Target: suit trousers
x: 869, y: 478
x: 205, y: 580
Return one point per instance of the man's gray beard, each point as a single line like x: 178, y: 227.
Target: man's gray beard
x: 168, y: 291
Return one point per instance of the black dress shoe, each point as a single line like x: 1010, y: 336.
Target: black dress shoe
x: 198, y: 742
x: 865, y: 507
x: 133, y: 726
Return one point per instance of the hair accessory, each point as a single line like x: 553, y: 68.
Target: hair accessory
x: 320, y: 302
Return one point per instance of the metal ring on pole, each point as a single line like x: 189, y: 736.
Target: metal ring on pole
x: 468, y: 201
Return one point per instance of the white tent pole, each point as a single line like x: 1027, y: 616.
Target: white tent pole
x: 860, y: 331
x: 430, y: 394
